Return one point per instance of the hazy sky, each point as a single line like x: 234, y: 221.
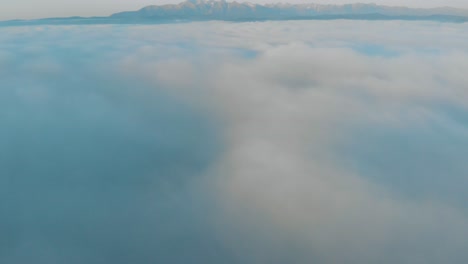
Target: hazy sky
x: 27, y: 9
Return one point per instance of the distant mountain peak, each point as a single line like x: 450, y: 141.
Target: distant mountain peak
x: 198, y: 2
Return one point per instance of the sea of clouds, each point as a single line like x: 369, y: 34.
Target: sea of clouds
x: 215, y: 142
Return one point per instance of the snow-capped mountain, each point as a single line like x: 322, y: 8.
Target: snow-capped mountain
x: 223, y: 10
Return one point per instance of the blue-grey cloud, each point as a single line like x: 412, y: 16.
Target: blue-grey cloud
x: 96, y: 167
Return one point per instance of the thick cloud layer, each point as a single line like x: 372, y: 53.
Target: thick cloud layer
x: 274, y: 142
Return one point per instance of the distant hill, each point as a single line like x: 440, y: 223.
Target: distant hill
x: 196, y: 10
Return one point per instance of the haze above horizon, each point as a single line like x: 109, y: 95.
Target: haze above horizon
x: 32, y: 9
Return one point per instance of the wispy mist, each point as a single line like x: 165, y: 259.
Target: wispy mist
x: 273, y: 142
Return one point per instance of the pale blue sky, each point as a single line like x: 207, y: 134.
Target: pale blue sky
x: 27, y: 9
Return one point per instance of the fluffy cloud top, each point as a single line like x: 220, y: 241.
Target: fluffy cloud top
x: 275, y: 142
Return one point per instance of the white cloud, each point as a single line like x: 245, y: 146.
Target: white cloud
x: 287, y: 109
x: 287, y: 96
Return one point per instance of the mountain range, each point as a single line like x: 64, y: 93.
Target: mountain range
x: 223, y: 10
x: 192, y: 10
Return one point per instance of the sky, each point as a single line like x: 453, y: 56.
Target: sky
x: 216, y: 142
x: 29, y: 9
